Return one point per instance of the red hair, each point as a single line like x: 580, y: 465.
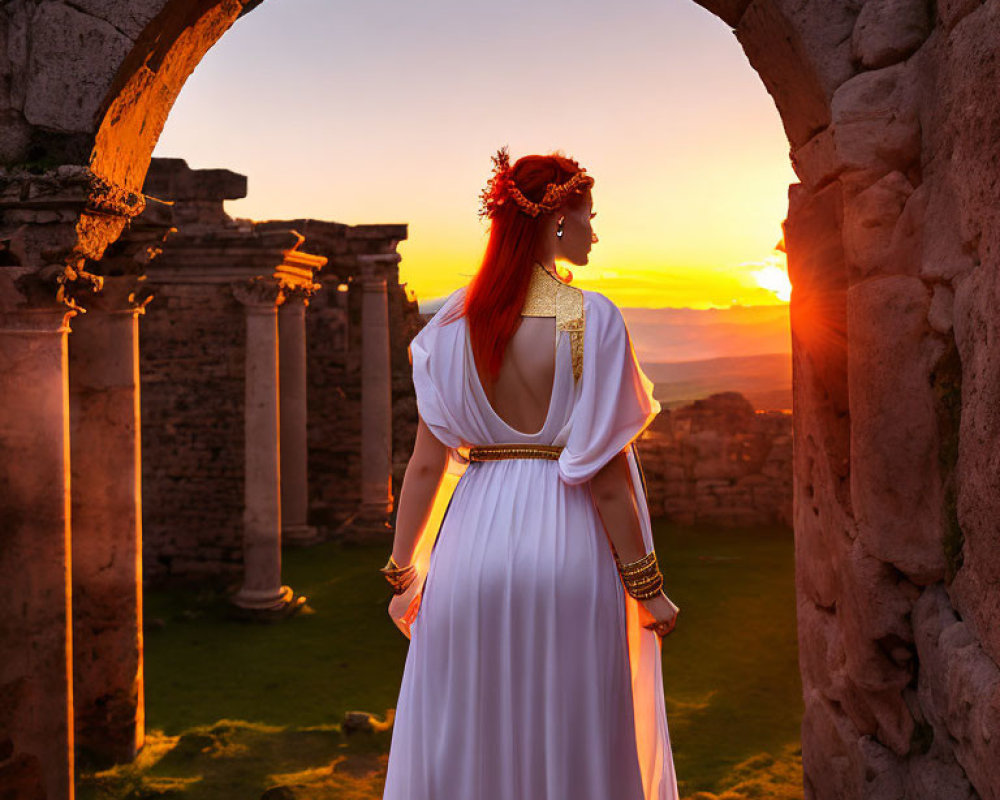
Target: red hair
x: 496, y: 294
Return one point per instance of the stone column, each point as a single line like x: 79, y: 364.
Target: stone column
x: 294, y: 446
x: 372, y: 522
x: 262, y: 593
x: 107, y: 525
x: 36, y: 693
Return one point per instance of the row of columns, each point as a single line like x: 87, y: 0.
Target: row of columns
x: 70, y: 427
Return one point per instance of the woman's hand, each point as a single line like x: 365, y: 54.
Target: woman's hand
x: 658, y: 614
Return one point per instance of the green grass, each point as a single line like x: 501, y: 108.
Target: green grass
x: 730, y: 667
x: 234, y: 708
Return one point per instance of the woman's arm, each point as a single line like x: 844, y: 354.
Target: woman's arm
x: 423, y: 476
x: 619, y: 511
x: 615, y: 501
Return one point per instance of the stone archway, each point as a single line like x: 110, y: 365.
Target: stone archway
x: 893, y: 243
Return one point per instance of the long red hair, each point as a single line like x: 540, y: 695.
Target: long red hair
x: 496, y: 293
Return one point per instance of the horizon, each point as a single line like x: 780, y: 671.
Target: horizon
x: 437, y: 301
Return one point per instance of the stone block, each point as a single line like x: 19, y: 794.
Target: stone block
x: 888, y: 31
x: 959, y: 692
x: 830, y: 750
x: 898, y: 508
x: 870, y: 220
x: 72, y: 59
x: 128, y: 16
x: 816, y: 162
x: 975, y: 523
x: 940, y: 314
x: 875, y: 124
x: 946, y: 252
x: 951, y: 12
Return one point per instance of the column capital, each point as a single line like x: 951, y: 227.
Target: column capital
x: 36, y: 301
x: 261, y: 294
x: 120, y: 294
x: 298, y: 295
x: 376, y: 264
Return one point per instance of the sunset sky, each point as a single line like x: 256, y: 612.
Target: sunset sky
x: 388, y: 111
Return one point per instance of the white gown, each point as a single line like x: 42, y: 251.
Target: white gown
x: 529, y: 675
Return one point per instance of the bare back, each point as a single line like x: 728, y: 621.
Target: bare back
x: 523, y: 389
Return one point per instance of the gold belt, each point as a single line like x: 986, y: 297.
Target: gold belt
x: 495, y: 452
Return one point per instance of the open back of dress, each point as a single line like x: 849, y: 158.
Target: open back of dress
x: 529, y: 676
x: 522, y: 392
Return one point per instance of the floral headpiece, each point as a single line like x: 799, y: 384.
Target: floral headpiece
x: 501, y: 187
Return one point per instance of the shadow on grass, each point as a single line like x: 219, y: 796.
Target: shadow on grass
x: 236, y: 709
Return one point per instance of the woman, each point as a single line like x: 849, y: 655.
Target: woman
x: 534, y: 667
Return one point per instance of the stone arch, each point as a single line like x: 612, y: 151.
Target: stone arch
x: 893, y: 243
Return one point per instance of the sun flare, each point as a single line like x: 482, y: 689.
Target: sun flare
x: 774, y: 278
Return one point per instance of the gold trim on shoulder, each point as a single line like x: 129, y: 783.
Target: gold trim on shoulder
x: 550, y: 297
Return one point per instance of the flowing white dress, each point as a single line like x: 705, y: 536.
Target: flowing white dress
x: 529, y: 675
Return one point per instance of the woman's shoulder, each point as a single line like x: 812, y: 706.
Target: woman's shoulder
x: 447, y: 308
x: 602, y: 309
x: 598, y: 299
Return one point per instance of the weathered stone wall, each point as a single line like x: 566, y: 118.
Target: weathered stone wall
x: 894, y: 252
x: 191, y: 363
x: 718, y: 461
x: 334, y: 405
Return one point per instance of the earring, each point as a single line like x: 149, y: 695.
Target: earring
x: 559, y: 228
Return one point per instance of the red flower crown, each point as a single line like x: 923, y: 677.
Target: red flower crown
x: 501, y: 187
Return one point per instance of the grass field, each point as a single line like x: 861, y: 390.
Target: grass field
x: 235, y: 708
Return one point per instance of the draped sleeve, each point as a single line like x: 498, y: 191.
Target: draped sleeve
x: 436, y: 361
x: 432, y: 372
x: 615, y: 402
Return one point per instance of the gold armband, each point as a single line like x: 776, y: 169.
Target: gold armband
x: 642, y: 577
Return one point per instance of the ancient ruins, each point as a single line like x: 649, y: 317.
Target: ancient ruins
x: 719, y: 461
x: 893, y: 244
x: 195, y: 355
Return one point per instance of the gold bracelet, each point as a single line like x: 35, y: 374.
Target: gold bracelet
x: 647, y: 592
x: 649, y: 569
x: 637, y: 566
x: 647, y: 595
x: 638, y: 580
x: 399, y: 578
x: 651, y: 586
x: 645, y: 558
x: 641, y: 578
x: 392, y: 568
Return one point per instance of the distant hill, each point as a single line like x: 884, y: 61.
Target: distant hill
x: 694, y: 334
x: 765, y: 380
x: 690, y: 353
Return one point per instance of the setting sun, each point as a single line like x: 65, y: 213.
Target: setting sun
x: 774, y: 278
